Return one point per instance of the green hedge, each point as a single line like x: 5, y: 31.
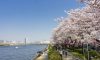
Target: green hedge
x: 78, y: 53
x: 53, y: 54
x: 82, y: 57
x: 94, y: 53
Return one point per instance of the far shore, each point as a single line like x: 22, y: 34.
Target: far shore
x: 20, y: 44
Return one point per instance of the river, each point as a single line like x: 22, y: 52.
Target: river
x: 27, y: 52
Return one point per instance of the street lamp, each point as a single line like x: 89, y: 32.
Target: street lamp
x: 87, y: 40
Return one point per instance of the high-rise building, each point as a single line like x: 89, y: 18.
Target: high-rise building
x: 1, y: 41
x: 25, y: 41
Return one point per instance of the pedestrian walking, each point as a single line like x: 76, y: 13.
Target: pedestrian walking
x: 66, y: 53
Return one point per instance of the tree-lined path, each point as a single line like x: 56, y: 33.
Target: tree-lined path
x: 80, y: 31
x: 68, y: 57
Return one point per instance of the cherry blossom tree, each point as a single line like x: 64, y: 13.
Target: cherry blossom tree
x: 81, y: 24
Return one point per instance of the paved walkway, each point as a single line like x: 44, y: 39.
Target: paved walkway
x: 68, y: 57
x: 44, y: 56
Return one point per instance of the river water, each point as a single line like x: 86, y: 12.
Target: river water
x: 27, y: 52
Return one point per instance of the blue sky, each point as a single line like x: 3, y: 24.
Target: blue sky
x: 33, y: 19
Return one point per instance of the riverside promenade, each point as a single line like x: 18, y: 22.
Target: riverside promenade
x: 43, y: 56
x: 68, y: 57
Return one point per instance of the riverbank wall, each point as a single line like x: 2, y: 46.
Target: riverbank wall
x: 41, y: 55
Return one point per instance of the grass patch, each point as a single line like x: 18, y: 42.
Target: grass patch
x: 81, y: 56
x: 94, y: 54
x: 78, y: 52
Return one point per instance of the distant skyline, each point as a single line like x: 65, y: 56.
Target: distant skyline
x: 31, y: 19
